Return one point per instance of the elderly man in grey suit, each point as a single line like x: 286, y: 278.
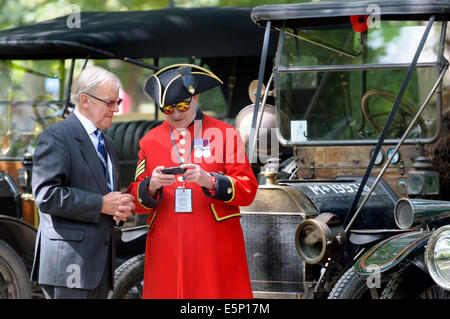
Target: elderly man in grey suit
x: 75, y: 175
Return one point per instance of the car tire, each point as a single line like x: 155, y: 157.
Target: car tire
x: 349, y: 286
x: 410, y: 282
x: 14, y: 278
x: 128, y: 279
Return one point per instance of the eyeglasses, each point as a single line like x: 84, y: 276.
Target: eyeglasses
x: 182, y: 106
x: 109, y: 104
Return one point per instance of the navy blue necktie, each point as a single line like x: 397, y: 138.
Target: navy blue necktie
x: 101, y: 152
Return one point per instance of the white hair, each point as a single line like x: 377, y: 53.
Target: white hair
x: 89, y: 79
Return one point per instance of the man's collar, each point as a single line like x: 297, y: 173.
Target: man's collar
x: 87, y: 124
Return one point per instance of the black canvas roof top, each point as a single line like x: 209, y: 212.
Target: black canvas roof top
x: 174, y: 32
x: 338, y: 12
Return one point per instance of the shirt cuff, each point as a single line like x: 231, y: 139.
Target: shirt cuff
x: 144, y: 199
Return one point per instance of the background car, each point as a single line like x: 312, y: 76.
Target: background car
x: 37, y: 65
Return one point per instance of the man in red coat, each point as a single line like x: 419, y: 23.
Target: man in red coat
x: 195, y: 246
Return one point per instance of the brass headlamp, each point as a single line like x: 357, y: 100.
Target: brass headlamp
x: 320, y: 238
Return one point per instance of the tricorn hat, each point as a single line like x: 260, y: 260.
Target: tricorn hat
x: 177, y: 82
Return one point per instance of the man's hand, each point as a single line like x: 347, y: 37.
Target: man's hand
x: 118, y: 205
x: 194, y: 173
x: 159, y: 179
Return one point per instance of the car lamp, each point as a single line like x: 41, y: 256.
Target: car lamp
x: 408, y: 211
x: 437, y: 257
x: 423, y: 181
x: 319, y: 238
x: 24, y: 173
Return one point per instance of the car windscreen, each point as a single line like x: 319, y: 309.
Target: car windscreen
x: 337, y: 85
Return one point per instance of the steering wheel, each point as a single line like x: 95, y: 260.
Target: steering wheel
x: 42, y: 122
x: 400, y: 121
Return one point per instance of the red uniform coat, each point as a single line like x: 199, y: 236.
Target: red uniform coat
x: 199, y: 254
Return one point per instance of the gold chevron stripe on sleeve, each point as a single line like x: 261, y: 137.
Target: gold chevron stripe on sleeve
x: 140, y: 169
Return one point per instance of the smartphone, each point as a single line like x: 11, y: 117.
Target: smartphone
x: 173, y: 170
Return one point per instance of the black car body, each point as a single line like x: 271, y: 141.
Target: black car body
x: 359, y: 100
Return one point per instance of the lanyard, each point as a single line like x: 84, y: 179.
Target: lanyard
x: 199, y: 128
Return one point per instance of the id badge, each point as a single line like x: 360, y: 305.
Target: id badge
x: 183, y: 200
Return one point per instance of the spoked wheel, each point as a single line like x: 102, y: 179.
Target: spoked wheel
x: 412, y: 283
x: 128, y: 283
x: 14, y: 281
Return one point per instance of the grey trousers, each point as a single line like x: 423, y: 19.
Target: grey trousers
x: 101, y: 292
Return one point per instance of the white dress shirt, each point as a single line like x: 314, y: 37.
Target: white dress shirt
x: 90, y: 129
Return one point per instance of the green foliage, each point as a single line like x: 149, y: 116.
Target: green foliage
x: 19, y: 12
x: 14, y: 13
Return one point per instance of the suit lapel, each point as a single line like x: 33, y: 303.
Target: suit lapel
x: 88, y: 152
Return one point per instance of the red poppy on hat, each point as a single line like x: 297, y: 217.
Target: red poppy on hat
x: 359, y: 23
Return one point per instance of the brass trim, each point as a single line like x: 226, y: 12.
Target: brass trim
x: 275, y: 213
x: 277, y: 295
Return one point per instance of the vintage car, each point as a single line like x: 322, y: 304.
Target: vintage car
x: 415, y: 262
x: 37, y: 65
x: 359, y: 98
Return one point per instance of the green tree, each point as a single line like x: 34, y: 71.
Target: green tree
x: 19, y: 12
x: 15, y: 13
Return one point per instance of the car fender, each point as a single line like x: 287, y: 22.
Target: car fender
x: 20, y: 235
x: 387, y: 254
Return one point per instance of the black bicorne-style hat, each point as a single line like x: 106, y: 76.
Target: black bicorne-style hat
x: 177, y: 82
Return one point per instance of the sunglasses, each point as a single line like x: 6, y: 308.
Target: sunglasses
x: 182, y: 106
x: 109, y: 104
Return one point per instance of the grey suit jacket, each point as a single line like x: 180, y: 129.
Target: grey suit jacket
x: 68, y: 182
